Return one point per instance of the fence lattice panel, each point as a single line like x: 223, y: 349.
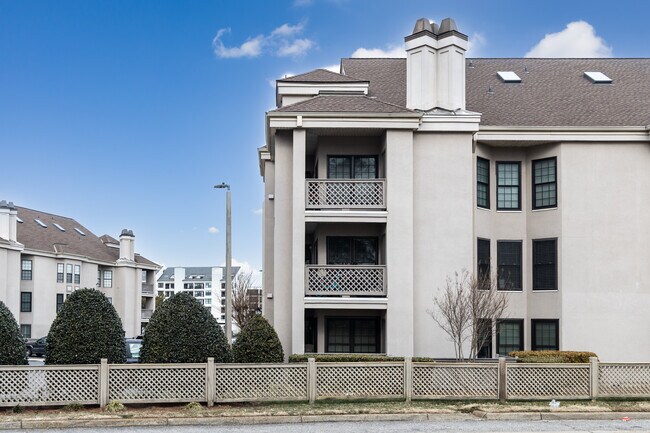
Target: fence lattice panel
x: 355, y: 381
x: 48, y: 385
x: 346, y: 280
x: 624, y: 380
x: 266, y: 382
x: 337, y: 194
x: 547, y: 381
x: 455, y: 380
x: 157, y: 383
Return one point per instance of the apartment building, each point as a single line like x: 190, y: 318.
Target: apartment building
x: 45, y: 257
x: 207, y: 284
x: 388, y: 177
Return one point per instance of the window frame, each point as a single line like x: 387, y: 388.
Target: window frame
x: 26, y: 326
x: 519, y: 287
x: 110, y: 279
x: 60, y: 299
x: 487, y: 185
x: 26, y: 274
x: 351, y: 328
x: 26, y: 306
x: 60, y: 272
x: 535, y: 265
x: 533, y: 322
x: 77, y: 274
x: 480, y: 275
x: 518, y: 163
x: 352, y: 243
x: 521, y: 334
x: 352, y: 157
x: 533, y: 184
x: 68, y: 275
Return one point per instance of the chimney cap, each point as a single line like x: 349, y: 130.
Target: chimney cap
x: 126, y: 232
x: 7, y: 205
x: 424, y: 25
x: 448, y: 25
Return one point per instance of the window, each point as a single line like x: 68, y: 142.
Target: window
x: 26, y: 270
x: 508, y: 186
x: 25, y: 302
x: 483, y: 260
x: 68, y: 274
x: 144, y: 276
x: 59, y: 272
x: 60, y: 298
x: 545, y: 264
x: 544, y: 183
x: 77, y: 274
x: 352, y: 335
x: 351, y: 251
x: 545, y: 334
x: 26, y: 331
x: 485, y: 333
x: 510, y: 336
x: 509, y: 265
x: 161, y: 286
x: 483, y: 183
x: 208, y: 301
x: 108, y: 278
x: 352, y: 167
x: 99, y: 278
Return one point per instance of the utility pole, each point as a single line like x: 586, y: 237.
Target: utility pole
x: 228, y: 324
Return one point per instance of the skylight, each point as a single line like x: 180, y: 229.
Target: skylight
x: 19, y: 220
x: 58, y: 227
x: 509, y: 77
x: 598, y: 77
x: 40, y: 223
x: 79, y: 231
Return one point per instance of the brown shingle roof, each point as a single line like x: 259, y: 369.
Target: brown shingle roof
x: 343, y: 104
x: 387, y: 77
x: 53, y: 240
x: 322, y: 76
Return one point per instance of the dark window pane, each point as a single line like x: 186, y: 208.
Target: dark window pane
x: 338, y: 335
x: 339, y: 167
x: 353, y: 335
x: 483, y: 259
x: 365, y: 336
x: 544, y: 183
x: 26, y: 331
x: 508, y: 185
x: 59, y: 301
x: 25, y: 302
x: 26, y: 270
x: 545, y: 335
x: 339, y: 251
x: 484, y: 336
x: 482, y: 182
x: 509, y: 265
x: 545, y: 264
x: 365, y: 251
x: 365, y: 167
x: 59, y: 272
x: 510, y: 336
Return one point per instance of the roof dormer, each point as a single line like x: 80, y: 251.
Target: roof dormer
x: 317, y: 82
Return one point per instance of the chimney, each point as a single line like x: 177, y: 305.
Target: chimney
x: 435, y: 66
x: 127, y: 245
x: 8, y: 221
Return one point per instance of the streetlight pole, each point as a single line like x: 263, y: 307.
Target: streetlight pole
x: 228, y: 323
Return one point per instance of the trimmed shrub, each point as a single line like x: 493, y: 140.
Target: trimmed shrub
x: 258, y: 342
x: 552, y: 356
x: 346, y: 357
x: 12, y: 346
x: 181, y: 330
x: 86, y: 329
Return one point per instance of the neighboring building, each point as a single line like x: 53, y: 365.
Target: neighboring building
x: 45, y: 257
x: 385, y: 179
x: 207, y: 284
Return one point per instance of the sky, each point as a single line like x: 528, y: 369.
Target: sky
x: 125, y: 113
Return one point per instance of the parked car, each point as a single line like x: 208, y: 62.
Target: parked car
x: 133, y: 346
x: 36, y: 347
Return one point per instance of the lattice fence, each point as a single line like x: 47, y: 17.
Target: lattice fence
x: 624, y: 380
x: 261, y: 382
x: 31, y: 386
x: 546, y: 381
x: 343, y: 194
x: 376, y: 380
x: 455, y: 381
x: 157, y: 383
x: 346, y: 280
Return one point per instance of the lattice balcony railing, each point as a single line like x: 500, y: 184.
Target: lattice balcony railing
x: 146, y: 314
x: 339, y: 280
x: 147, y: 289
x: 345, y: 194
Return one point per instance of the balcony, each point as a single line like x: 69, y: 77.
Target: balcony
x: 342, y: 280
x: 146, y: 314
x: 363, y: 194
x: 147, y: 289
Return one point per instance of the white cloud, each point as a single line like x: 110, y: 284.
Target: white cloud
x: 213, y: 230
x: 475, y: 43
x: 246, y: 268
x: 336, y: 67
x: 391, y: 51
x: 282, y: 41
x: 578, y: 39
x: 257, y: 211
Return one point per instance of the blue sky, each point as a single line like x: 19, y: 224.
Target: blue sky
x: 125, y: 113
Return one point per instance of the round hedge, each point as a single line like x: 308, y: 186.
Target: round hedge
x: 12, y: 345
x: 258, y: 342
x: 182, y: 330
x: 86, y: 329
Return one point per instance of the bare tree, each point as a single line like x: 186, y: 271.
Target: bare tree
x: 467, y: 309
x: 244, y: 302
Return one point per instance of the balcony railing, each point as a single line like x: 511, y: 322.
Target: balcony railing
x: 340, y: 280
x: 146, y: 314
x: 346, y: 194
x: 147, y: 289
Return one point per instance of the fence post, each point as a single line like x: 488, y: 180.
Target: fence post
x: 210, y: 381
x: 503, y: 377
x: 594, y: 376
x: 408, y: 379
x: 103, y: 383
x: 311, y: 380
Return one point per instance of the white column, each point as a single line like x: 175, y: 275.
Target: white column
x: 298, y: 243
x: 399, y: 242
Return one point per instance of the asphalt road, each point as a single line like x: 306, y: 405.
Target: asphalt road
x: 481, y: 426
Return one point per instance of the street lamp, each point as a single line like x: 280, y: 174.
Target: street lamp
x: 228, y: 265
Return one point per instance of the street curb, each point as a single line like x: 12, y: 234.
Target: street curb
x: 596, y: 416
